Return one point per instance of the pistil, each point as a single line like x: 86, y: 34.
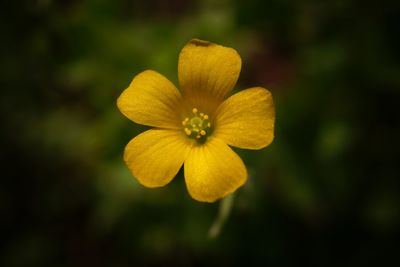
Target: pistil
x: 197, y: 125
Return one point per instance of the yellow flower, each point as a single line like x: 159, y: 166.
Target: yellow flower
x: 195, y: 125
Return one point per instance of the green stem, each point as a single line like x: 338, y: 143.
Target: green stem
x: 225, y: 208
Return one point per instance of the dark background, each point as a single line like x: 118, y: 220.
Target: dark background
x: 324, y: 193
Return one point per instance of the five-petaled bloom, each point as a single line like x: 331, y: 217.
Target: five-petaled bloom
x: 194, y: 126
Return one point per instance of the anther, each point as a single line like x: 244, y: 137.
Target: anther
x: 197, y: 125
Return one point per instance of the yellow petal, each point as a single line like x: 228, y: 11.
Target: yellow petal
x: 151, y: 99
x: 207, y: 70
x: 213, y: 170
x: 246, y: 119
x: 155, y: 156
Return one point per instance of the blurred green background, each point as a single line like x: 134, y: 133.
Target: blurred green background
x: 325, y: 193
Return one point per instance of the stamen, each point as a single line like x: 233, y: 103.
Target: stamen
x: 197, y: 125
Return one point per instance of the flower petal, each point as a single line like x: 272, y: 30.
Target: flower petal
x: 155, y: 156
x: 207, y: 70
x: 151, y: 99
x: 213, y: 170
x: 246, y: 119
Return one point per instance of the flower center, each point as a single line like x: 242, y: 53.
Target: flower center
x: 197, y: 126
